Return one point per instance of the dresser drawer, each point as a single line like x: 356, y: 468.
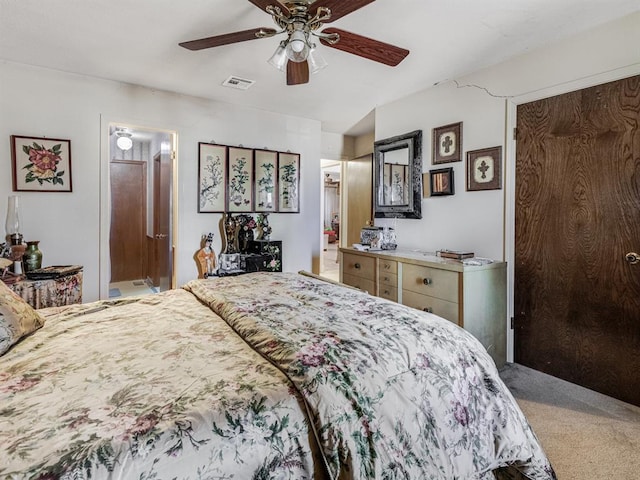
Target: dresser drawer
x: 388, y: 282
x: 359, y: 265
x: 388, y: 266
x: 359, y: 282
x: 429, y: 281
x: 437, y: 306
x: 390, y: 279
x: 389, y: 292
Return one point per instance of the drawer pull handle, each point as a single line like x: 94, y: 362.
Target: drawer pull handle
x: 387, y: 266
x: 387, y: 292
x: 427, y: 309
x: 357, y: 266
x: 427, y: 281
x: 386, y: 279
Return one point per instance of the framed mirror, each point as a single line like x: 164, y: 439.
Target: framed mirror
x: 397, y: 176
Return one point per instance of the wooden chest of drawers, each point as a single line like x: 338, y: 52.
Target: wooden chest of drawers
x: 473, y: 297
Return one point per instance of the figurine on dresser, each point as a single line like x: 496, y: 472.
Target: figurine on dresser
x: 206, y: 257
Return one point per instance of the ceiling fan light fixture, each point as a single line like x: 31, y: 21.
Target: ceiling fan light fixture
x: 279, y: 57
x: 316, y: 61
x: 297, y: 48
x: 124, y: 141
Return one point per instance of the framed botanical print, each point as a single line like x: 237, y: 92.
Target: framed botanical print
x: 447, y: 144
x: 266, y: 180
x: 484, y: 169
x: 399, y: 191
x: 288, y: 182
x: 41, y: 164
x: 240, y: 178
x: 212, y: 178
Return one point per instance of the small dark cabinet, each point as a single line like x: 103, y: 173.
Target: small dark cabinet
x: 270, y: 250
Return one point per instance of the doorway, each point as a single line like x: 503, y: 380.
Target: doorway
x: 140, y: 183
x: 331, y: 215
x: 577, y: 222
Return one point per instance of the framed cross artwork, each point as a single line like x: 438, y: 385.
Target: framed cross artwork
x: 447, y: 144
x: 484, y: 169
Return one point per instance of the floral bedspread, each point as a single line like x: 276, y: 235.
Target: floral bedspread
x: 392, y: 392
x: 155, y: 387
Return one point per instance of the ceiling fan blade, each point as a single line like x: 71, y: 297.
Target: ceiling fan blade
x: 340, y: 8
x: 366, y: 47
x: 228, y: 38
x: 297, y: 73
x: 263, y: 4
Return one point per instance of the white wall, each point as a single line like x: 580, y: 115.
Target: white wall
x: 476, y: 220
x: 485, y: 103
x: 47, y: 103
x: 466, y: 220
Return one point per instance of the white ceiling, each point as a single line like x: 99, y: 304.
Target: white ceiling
x: 136, y: 41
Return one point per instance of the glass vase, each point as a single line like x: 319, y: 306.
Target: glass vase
x: 32, y: 257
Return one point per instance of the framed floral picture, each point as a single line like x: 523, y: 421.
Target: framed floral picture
x: 288, y: 182
x: 212, y: 178
x: 484, y: 171
x: 41, y: 164
x: 266, y: 180
x: 240, y: 175
x: 447, y: 144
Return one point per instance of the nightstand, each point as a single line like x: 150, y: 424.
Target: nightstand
x: 54, y: 292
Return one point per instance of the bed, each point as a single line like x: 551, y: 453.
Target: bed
x: 260, y: 376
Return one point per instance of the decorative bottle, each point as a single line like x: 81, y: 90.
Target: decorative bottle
x: 32, y: 256
x: 230, y: 234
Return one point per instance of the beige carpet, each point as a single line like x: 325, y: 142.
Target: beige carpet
x: 586, y: 435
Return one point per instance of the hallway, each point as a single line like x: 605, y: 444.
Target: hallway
x: 329, y: 267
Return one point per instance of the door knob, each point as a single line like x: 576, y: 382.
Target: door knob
x: 160, y: 236
x: 632, y: 258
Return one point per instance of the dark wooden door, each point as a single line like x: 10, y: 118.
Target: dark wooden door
x: 162, y: 221
x: 577, y: 299
x: 128, y: 220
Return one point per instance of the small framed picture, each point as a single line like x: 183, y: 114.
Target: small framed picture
x: 484, y: 171
x: 41, y: 164
x: 212, y: 178
x: 266, y: 180
x: 240, y: 185
x: 441, y: 182
x: 288, y: 182
x: 447, y: 144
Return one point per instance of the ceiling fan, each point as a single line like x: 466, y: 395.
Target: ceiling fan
x: 301, y: 19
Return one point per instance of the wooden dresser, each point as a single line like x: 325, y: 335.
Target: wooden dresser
x: 474, y: 297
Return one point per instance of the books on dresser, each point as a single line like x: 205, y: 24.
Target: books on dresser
x: 455, y: 254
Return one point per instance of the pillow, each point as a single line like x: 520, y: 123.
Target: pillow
x: 17, y: 318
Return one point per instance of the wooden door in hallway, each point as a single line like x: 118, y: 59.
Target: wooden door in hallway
x: 162, y: 222
x: 128, y: 220
x: 360, y: 198
x: 577, y: 214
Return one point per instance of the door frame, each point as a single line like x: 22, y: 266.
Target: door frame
x: 510, y: 175
x: 104, y: 263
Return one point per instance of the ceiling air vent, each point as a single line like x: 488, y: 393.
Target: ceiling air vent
x: 237, y: 82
